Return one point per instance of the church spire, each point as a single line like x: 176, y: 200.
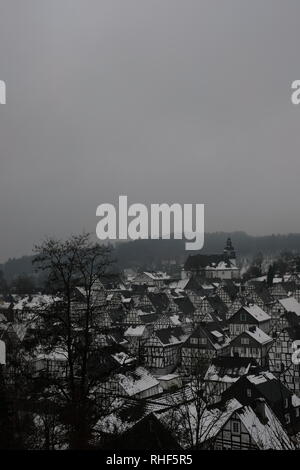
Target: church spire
x: 229, y: 250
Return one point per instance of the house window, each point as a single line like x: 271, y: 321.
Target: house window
x: 245, y: 340
x: 286, y: 402
x: 249, y: 392
x: 202, y: 341
x: 236, y: 428
x: 194, y: 340
x: 297, y: 413
x: 287, y: 418
x: 243, y: 317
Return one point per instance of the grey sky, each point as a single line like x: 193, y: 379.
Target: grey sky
x: 163, y: 100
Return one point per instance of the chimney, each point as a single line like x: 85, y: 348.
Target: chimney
x: 260, y: 410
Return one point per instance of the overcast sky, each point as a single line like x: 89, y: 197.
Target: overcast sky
x: 162, y: 100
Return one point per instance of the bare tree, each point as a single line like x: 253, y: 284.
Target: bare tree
x: 190, y: 416
x: 71, y: 325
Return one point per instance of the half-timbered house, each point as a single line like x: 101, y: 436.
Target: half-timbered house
x: 204, y: 343
x: 252, y: 343
x: 247, y: 316
x: 280, y: 358
x: 162, y: 349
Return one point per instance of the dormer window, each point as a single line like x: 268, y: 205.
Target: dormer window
x: 249, y: 392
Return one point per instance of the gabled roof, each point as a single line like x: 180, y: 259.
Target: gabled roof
x: 147, y: 318
x: 157, y: 276
x: 268, y: 435
x: 258, y: 335
x: 137, y: 381
x: 292, y: 318
x: 35, y: 302
x: 159, y: 300
x: 185, y: 305
x: 217, y: 305
x: 230, y: 288
x: 290, y: 304
x: 256, y: 312
x: 269, y: 386
x: 229, y: 369
x: 173, y: 335
x: 112, y: 281
x: 135, y: 331
x: 293, y: 332
x: 196, y: 262
x: 211, y: 330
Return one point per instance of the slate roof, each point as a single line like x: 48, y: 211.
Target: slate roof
x: 196, y: 262
x: 159, y: 300
x: 185, y: 305
x: 258, y: 335
x: 256, y: 312
x: 293, y: 332
x: 168, y: 336
x: 290, y: 304
x: 137, y: 381
x: 270, y: 387
x: 230, y: 288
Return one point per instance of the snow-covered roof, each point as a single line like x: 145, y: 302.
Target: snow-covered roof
x: 256, y: 312
x: 290, y: 304
x: 211, y: 421
x: 123, y: 358
x: 137, y: 381
x: 5, y: 305
x: 55, y: 355
x: 157, y: 276
x: 259, y: 335
x: 169, y: 377
x: 267, y: 435
x: 222, y: 266
x: 217, y: 334
x: 35, y: 302
x: 230, y: 374
x: 175, y: 319
x: 135, y: 330
x: 181, y: 284
x: 172, y: 335
x: 270, y: 435
x: 261, y: 378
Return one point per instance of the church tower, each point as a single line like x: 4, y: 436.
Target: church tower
x: 229, y: 250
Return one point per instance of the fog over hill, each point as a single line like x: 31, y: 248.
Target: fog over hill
x: 151, y: 252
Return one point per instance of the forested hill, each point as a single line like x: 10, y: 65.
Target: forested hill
x: 146, y: 252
